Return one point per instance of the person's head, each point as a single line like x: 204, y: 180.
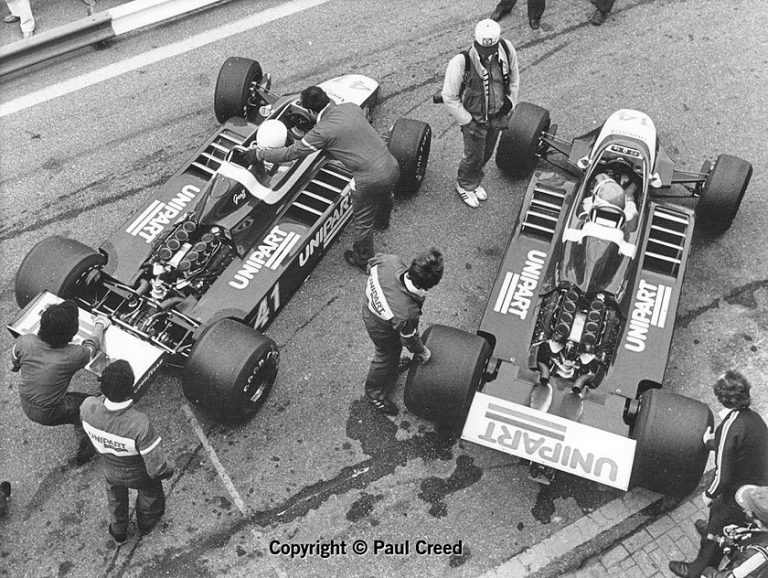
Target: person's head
x: 487, y: 34
x: 754, y: 501
x: 272, y: 134
x: 59, y: 324
x: 426, y: 269
x: 314, y: 98
x: 608, y: 191
x: 117, y: 381
x: 732, y: 390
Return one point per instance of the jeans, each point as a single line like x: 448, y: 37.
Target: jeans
x: 382, y: 373
x: 479, y: 143
x: 150, y: 502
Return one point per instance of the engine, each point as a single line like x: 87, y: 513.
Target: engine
x: 575, y: 336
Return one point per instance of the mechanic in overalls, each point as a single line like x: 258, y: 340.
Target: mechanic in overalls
x: 394, y: 296
x: 344, y: 132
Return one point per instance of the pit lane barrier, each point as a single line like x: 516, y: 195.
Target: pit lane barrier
x: 94, y: 29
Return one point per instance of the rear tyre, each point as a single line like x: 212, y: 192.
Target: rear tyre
x: 58, y: 265
x: 519, y: 142
x: 669, y: 456
x: 722, y: 193
x: 409, y: 142
x: 441, y: 390
x: 233, y: 87
x: 231, y: 371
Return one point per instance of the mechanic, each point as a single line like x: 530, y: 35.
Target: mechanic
x: 535, y: 11
x: 394, y: 296
x: 21, y: 11
x: 131, y: 451
x: 752, y: 560
x: 48, y: 361
x: 480, y: 91
x: 740, y: 443
x: 602, y: 9
x: 607, y: 192
x: 344, y: 132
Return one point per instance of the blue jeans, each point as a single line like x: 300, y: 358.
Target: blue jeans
x: 150, y: 502
x: 479, y: 142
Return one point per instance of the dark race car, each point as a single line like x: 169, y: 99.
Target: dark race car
x: 566, y: 368
x: 208, y: 261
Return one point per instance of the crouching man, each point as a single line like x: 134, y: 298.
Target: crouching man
x: 131, y: 450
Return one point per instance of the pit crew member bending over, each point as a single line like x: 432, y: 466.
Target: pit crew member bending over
x: 48, y: 361
x: 394, y: 296
x: 607, y: 192
x: 131, y: 451
x: 741, y: 458
x: 344, y: 132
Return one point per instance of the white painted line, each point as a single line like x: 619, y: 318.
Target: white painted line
x: 156, y: 55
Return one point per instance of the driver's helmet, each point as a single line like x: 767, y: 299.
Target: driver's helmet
x: 272, y: 134
x: 608, y: 191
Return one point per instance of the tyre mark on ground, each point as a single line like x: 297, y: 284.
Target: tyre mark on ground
x: 743, y: 295
x: 309, y: 320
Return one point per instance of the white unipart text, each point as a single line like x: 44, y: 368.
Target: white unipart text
x: 518, y: 288
x: 269, y: 254
x: 158, y: 215
x: 544, y: 450
x: 328, y: 230
x: 649, y: 310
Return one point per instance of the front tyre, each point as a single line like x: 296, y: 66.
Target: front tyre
x: 519, y: 142
x: 722, y: 193
x: 231, y: 371
x: 669, y: 455
x: 233, y: 87
x: 409, y: 142
x: 441, y: 390
x: 57, y: 265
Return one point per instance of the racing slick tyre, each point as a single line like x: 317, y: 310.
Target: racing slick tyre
x: 58, y: 265
x: 519, y: 142
x: 441, y: 390
x: 722, y: 193
x: 669, y: 455
x: 233, y: 87
x: 409, y: 142
x: 230, y: 371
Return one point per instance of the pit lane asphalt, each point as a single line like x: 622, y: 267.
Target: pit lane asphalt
x: 316, y: 463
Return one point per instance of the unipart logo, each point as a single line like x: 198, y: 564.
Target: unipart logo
x: 543, y: 441
x: 518, y: 288
x: 270, y: 254
x: 328, y: 230
x: 650, y: 309
x: 158, y: 215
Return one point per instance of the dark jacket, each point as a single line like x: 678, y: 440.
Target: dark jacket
x: 741, y: 452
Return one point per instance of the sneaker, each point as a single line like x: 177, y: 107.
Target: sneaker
x: 351, y: 257
x: 481, y: 194
x: 467, y: 196
x: 384, y: 405
x: 10, y: 19
x: 534, y: 22
x: 598, y: 17
x: 119, y: 539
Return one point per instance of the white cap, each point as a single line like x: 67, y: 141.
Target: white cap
x: 487, y: 32
x: 271, y: 134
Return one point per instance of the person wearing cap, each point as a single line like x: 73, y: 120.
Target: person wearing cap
x: 535, y: 11
x: 131, y: 451
x: 48, y: 361
x: 394, y: 296
x: 752, y: 560
x: 343, y: 131
x: 480, y: 91
x: 740, y: 444
x: 607, y: 192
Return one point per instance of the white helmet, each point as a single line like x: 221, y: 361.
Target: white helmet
x: 272, y: 134
x: 608, y: 190
x: 487, y: 32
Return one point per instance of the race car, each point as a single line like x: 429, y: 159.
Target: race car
x: 567, y: 366
x: 206, y: 263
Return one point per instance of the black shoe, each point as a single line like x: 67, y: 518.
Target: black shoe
x: 497, y: 15
x: 85, y: 452
x: 119, y: 539
x: 701, y: 527
x: 598, y: 17
x: 384, y: 405
x: 381, y: 224
x: 679, y: 568
x: 353, y: 259
x: 534, y: 22
x: 5, y: 489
